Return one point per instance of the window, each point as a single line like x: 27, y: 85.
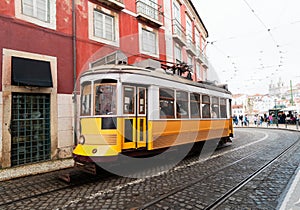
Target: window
x: 142, y: 100
x: 215, y: 107
x: 166, y: 102
x: 189, y: 31
x: 182, y: 104
x: 128, y: 100
x: 204, y: 74
x: 195, y: 105
x: 38, y: 9
x: 148, y: 41
x: 202, y: 43
x: 223, y: 112
x: 205, y: 106
x: 176, y: 11
x: 178, y: 55
x: 197, y: 41
x: 103, y: 25
x: 198, y: 71
x: 105, y: 99
x: 86, y: 99
x: 190, y: 61
x: 39, y: 12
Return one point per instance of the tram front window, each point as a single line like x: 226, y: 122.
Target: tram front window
x: 86, y: 99
x: 105, y: 99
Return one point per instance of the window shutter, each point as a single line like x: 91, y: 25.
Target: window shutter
x: 98, y: 24
x: 148, y: 41
x: 27, y: 7
x: 109, y: 28
x: 38, y: 9
x: 104, y: 26
x: 41, y: 10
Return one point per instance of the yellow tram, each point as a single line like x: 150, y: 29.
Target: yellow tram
x: 134, y: 110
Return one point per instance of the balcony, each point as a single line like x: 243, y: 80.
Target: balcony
x: 178, y: 33
x: 190, y: 46
x: 202, y: 58
x: 149, y: 12
x: 114, y: 4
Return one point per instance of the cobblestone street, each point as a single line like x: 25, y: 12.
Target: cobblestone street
x: 193, y: 184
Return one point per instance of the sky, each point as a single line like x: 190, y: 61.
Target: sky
x: 252, y: 42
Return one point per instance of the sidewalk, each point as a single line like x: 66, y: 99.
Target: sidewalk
x: 35, y: 168
x: 272, y: 126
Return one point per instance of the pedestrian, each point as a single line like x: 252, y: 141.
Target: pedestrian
x: 241, y: 119
x: 255, y: 119
x: 261, y: 120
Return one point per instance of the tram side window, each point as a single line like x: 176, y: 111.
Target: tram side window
x: 215, y: 107
x: 223, y: 108
x: 86, y: 99
x: 105, y: 99
x: 128, y: 100
x: 166, y: 102
x: 195, y: 105
x: 182, y: 106
x: 205, y: 106
x: 142, y: 100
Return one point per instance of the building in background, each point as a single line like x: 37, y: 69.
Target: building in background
x: 46, y: 44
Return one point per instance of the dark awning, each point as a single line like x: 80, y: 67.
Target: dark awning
x: 28, y: 72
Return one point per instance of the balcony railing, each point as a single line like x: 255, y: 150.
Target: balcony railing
x: 115, y: 4
x: 178, y: 32
x: 202, y: 58
x: 149, y: 11
x: 190, y: 45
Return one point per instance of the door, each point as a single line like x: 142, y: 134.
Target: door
x: 30, y: 128
x: 135, y: 117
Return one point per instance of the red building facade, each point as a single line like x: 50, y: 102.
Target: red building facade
x: 46, y: 44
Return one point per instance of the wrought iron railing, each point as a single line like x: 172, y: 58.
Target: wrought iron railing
x: 150, y: 9
x: 178, y: 29
x: 190, y: 44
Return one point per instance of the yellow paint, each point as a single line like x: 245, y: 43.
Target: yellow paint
x: 168, y: 133
x: 161, y: 133
x: 102, y: 150
x: 90, y: 126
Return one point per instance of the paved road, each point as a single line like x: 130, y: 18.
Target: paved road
x: 115, y: 192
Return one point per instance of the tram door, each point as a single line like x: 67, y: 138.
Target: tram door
x: 135, y: 119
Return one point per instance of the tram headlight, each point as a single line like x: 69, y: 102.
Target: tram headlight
x: 81, y: 140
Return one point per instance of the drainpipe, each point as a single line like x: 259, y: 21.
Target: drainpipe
x: 74, y: 69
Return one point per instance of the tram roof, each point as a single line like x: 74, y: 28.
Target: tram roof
x: 155, y: 73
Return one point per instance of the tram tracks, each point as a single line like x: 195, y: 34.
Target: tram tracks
x: 219, y: 201
x: 80, y: 179
x: 106, y: 192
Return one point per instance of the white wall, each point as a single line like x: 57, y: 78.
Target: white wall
x: 65, y: 121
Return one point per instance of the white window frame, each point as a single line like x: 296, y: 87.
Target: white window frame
x: 176, y: 11
x: 197, y: 41
x: 189, y: 28
x: 92, y: 8
x: 198, y: 71
x: 143, y: 48
x: 190, y: 61
x: 178, y: 52
x: 103, y: 32
x: 51, y: 14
